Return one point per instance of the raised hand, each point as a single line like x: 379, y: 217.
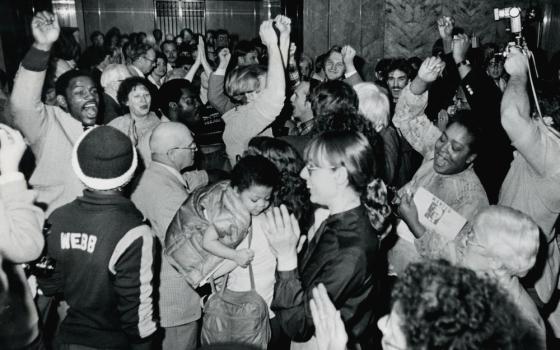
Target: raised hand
x: 224, y: 56
x: 329, y: 328
x: 201, y: 47
x: 461, y: 45
x: 243, y: 257
x: 445, y: 27
x: 293, y: 49
x: 284, y: 24
x: 348, y: 54
x: 430, y: 69
x: 12, y: 147
x: 516, y: 62
x: 443, y: 120
x: 45, y: 29
x: 267, y: 33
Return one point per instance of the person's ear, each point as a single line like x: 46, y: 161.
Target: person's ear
x: 61, y: 102
x: 471, y: 158
x: 173, y: 111
x: 341, y: 176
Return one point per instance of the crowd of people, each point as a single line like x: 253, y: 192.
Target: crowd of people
x: 199, y: 191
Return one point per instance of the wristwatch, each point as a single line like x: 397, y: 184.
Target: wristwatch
x: 463, y: 63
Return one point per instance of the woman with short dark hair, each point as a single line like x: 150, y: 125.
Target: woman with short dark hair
x: 135, y: 97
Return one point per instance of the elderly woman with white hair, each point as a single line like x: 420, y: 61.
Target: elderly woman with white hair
x: 401, y: 161
x: 501, y: 242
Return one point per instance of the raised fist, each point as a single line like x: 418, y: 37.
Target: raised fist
x: 45, y: 30
x: 224, y: 56
x: 267, y: 33
x: 516, y: 62
x: 445, y: 27
x: 284, y: 24
x: 348, y: 54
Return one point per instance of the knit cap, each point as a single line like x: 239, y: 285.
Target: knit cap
x: 103, y: 158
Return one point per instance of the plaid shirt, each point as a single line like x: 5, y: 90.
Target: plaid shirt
x: 304, y: 128
x: 293, y: 74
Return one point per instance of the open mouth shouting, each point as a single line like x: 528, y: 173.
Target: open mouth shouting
x: 89, y: 112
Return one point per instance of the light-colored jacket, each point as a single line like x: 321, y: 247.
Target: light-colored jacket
x: 51, y: 133
x: 21, y: 240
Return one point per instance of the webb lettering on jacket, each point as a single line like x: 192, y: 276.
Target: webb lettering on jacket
x: 80, y: 241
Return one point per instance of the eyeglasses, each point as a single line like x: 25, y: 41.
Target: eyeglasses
x: 311, y: 168
x: 192, y: 147
x: 149, y: 59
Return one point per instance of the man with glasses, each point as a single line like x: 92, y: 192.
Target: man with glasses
x: 159, y: 194
x: 142, y: 60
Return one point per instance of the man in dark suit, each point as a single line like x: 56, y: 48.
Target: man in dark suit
x: 111, y: 79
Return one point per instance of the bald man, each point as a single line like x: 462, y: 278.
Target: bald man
x: 111, y: 79
x: 159, y: 194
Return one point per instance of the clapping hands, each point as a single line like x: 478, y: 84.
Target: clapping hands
x: 329, y: 328
x: 282, y: 232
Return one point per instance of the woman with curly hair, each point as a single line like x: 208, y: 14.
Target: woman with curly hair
x: 292, y: 192
x: 439, y: 306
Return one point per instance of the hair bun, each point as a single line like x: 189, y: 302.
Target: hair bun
x: 376, y: 202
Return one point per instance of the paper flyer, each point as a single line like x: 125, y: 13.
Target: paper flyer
x: 434, y: 214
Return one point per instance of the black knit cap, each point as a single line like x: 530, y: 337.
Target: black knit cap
x: 104, y: 158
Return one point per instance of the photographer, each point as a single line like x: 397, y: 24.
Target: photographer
x: 531, y: 184
x: 21, y: 240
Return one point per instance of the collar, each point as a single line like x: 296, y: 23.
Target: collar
x: 173, y: 172
x: 138, y: 71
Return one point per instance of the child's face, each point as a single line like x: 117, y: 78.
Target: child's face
x: 256, y: 198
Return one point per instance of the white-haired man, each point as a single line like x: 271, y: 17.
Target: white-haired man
x: 111, y: 80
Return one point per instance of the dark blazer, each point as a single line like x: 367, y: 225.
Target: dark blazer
x: 111, y: 109
x: 343, y: 256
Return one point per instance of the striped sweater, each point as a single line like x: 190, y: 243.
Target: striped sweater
x: 104, y: 260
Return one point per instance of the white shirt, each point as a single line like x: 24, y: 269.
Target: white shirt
x: 264, y: 265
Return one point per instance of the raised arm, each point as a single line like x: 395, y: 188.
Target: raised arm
x: 284, y: 26
x: 351, y: 76
x: 203, y: 60
x: 216, y: 94
x: 409, y: 113
x: 29, y: 113
x: 194, y: 68
x: 445, y: 29
x: 516, y: 109
x: 275, y: 79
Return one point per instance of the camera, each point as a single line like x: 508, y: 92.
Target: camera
x: 513, y: 13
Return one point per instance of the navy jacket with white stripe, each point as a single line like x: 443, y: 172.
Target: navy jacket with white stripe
x: 104, y: 271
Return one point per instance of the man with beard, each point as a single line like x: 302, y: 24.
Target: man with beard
x: 52, y: 130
